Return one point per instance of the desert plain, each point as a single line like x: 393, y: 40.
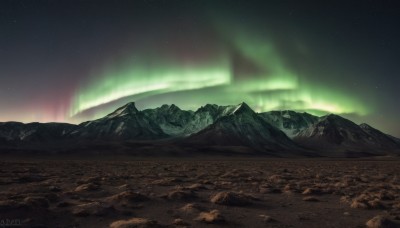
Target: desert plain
x: 193, y: 192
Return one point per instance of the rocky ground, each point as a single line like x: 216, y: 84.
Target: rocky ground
x: 189, y: 193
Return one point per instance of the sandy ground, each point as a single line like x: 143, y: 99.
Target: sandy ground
x: 199, y: 193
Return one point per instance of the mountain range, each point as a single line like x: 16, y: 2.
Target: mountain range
x: 211, y: 129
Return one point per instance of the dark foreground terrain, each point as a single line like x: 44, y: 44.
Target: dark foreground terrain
x: 189, y: 193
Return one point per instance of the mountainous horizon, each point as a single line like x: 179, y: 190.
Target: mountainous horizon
x: 274, y: 112
x: 211, y: 127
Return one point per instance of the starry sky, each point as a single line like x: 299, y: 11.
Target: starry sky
x: 70, y: 61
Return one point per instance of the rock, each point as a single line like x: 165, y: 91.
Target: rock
x: 124, y: 187
x: 381, y: 222
x: 346, y: 199
x: 213, y: 216
x: 94, y: 208
x: 87, y: 187
x: 311, y: 191
x: 358, y: 204
x: 128, y: 197
x: 195, y: 187
x: 310, y: 199
x: 191, y: 208
x: 180, y: 222
x: 267, y: 219
x: 134, y: 223
x: 385, y: 195
x: 364, y: 202
x: 231, y: 199
x: 375, y: 204
x: 396, y: 206
x: 269, y: 189
x: 181, y: 195
x: 290, y: 188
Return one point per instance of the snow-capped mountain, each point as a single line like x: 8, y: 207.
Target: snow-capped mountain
x: 34, y: 132
x: 124, y: 123
x: 290, y: 122
x: 207, y: 115
x: 172, y: 120
x: 333, y: 132
x: 180, y: 123
x: 241, y: 126
x: 221, y: 127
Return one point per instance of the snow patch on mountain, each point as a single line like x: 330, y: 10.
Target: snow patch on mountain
x: 290, y: 122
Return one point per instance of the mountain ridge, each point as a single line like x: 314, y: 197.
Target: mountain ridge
x: 211, y: 126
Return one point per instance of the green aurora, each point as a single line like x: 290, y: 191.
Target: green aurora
x: 272, y: 86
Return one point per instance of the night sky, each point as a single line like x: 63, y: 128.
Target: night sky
x: 69, y: 61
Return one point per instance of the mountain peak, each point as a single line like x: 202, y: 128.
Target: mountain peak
x: 242, y: 108
x: 365, y: 126
x: 127, y: 109
x: 333, y: 117
x: 208, y: 107
x: 172, y: 107
x: 336, y: 120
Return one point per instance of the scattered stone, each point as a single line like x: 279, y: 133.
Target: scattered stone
x: 396, y: 206
x: 358, y: 204
x: 87, y: 187
x: 213, y: 216
x: 191, y: 208
x: 195, y: 187
x: 128, y: 197
x: 375, y: 204
x: 311, y: 191
x: 180, y: 222
x: 124, y: 187
x: 231, y: 199
x: 94, y: 208
x: 278, y: 179
x: 381, y: 222
x: 135, y: 223
x: 346, y: 199
x: 181, y: 195
x: 267, y: 219
x: 269, y: 189
x: 366, y: 202
x: 290, y: 188
x: 385, y: 195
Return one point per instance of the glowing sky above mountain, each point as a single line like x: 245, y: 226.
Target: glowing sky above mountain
x: 77, y: 61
